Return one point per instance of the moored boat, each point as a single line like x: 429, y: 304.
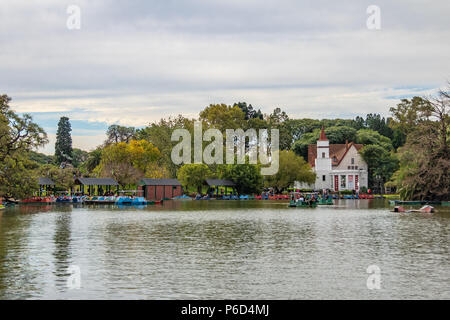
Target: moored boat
x: 183, y: 197
x: 46, y: 200
x: 414, y: 202
x: 302, y: 204
x: 125, y: 200
x: 325, y: 202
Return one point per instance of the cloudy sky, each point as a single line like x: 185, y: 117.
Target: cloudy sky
x: 133, y: 62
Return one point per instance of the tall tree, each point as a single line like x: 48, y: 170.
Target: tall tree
x: 247, y: 177
x: 425, y: 159
x: 116, y: 134
x: 127, y: 162
x: 194, y: 175
x: 250, y: 113
x: 63, y: 145
x: 160, y: 133
x: 291, y: 168
x: 18, y: 136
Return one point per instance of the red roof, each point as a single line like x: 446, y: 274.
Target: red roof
x: 337, y: 152
x: 323, y: 136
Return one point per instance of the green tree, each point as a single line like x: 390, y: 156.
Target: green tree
x: 79, y: 157
x: 247, y: 177
x: 17, y: 178
x: 222, y: 117
x: 40, y: 157
x: 291, y: 168
x: 299, y: 127
x: 409, y: 114
x: 381, y: 165
x: 19, y: 135
x: 249, y: 112
x: 375, y: 122
x: 340, y: 134
x: 279, y: 119
x: 335, y: 134
x: 369, y: 137
x: 127, y: 162
x: 92, y: 161
x: 64, y: 178
x: 425, y: 158
x: 160, y: 133
x: 300, y: 147
x: 116, y: 134
x: 63, y: 145
x: 194, y: 175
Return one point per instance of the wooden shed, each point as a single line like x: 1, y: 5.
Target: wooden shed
x: 160, y: 189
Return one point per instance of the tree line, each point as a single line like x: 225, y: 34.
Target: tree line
x: 407, y: 151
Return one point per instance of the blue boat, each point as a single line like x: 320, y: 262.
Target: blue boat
x: 183, y: 197
x: 138, y: 201
x: 124, y: 200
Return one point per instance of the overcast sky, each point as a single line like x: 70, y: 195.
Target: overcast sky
x: 133, y: 62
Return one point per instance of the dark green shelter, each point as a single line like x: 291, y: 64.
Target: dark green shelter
x: 45, y: 184
x: 216, y: 183
x: 96, y: 186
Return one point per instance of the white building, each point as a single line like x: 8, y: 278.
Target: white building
x: 338, y: 166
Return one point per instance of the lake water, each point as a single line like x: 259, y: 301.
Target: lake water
x: 224, y: 250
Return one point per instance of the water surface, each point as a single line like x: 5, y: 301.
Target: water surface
x: 223, y: 250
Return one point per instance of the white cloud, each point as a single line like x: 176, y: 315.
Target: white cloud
x: 135, y: 62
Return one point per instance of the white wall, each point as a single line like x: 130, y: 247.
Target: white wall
x: 347, y: 161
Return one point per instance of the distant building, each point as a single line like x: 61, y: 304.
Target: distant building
x: 160, y: 189
x: 338, y: 166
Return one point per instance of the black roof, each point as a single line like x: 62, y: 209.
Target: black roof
x: 220, y: 182
x: 96, y: 181
x: 159, y: 182
x: 45, y: 182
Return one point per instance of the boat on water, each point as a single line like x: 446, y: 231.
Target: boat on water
x: 325, y: 202
x: 99, y: 200
x: 414, y: 202
x: 2, y: 207
x: 424, y: 209
x: 183, y: 197
x: 46, y: 200
x: 303, y: 200
x: 125, y: 200
x: 302, y: 204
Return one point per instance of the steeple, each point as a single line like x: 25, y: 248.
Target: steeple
x: 323, y: 136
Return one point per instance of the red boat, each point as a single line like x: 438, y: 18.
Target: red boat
x: 38, y: 200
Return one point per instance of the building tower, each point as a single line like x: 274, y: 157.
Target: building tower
x: 323, y: 161
x: 323, y: 166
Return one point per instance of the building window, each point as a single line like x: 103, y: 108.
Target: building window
x: 323, y: 154
x: 353, y: 160
x: 350, y: 182
x: 348, y: 167
x: 343, y: 183
x: 324, y: 178
x: 356, y: 167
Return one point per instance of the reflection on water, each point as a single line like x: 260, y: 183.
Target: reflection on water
x: 223, y: 249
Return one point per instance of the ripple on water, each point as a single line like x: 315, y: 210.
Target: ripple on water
x: 219, y: 250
